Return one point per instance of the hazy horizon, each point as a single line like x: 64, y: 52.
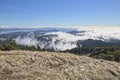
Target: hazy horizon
x: 60, y: 26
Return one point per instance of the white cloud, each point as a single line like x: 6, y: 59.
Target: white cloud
x: 30, y: 41
x: 100, y: 33
x: 63, y: 40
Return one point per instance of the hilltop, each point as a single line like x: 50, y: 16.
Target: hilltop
x: 24, y: 65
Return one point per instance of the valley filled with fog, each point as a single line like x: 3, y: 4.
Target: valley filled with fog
x: 61, y: 39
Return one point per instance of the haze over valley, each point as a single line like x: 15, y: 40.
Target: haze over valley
x: 61, y: 39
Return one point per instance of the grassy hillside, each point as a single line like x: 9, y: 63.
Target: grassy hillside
x: 32, y: 65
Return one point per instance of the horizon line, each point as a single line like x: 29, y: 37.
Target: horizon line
x: 56, y: 26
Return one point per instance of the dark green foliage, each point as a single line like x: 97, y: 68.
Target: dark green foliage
x: 10, y: 44
x: 80, y: 50
x: 107, y: 53
x: 31, y: 48
x: 117, y: 57
x: 111, y: 53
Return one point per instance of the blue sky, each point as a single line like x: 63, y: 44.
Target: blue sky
x: 59, y: 12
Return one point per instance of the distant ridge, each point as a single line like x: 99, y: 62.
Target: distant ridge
x: 61, y: 39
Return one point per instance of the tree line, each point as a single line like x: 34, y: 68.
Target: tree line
x: 111, y: 53
x: 10, y: 44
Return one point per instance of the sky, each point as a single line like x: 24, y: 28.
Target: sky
x: 59, y: 12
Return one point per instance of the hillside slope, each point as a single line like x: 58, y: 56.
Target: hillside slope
x: 28, y: 65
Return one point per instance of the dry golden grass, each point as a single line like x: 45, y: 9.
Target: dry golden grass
x: 28, y: 65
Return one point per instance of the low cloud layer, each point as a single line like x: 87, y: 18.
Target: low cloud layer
x: 29, y: 41
x: 100, y: 33
x: 61, y: 40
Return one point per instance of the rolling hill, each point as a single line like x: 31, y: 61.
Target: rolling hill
x: 33, y: 65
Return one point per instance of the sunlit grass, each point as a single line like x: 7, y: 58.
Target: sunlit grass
x: 24, y: 65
